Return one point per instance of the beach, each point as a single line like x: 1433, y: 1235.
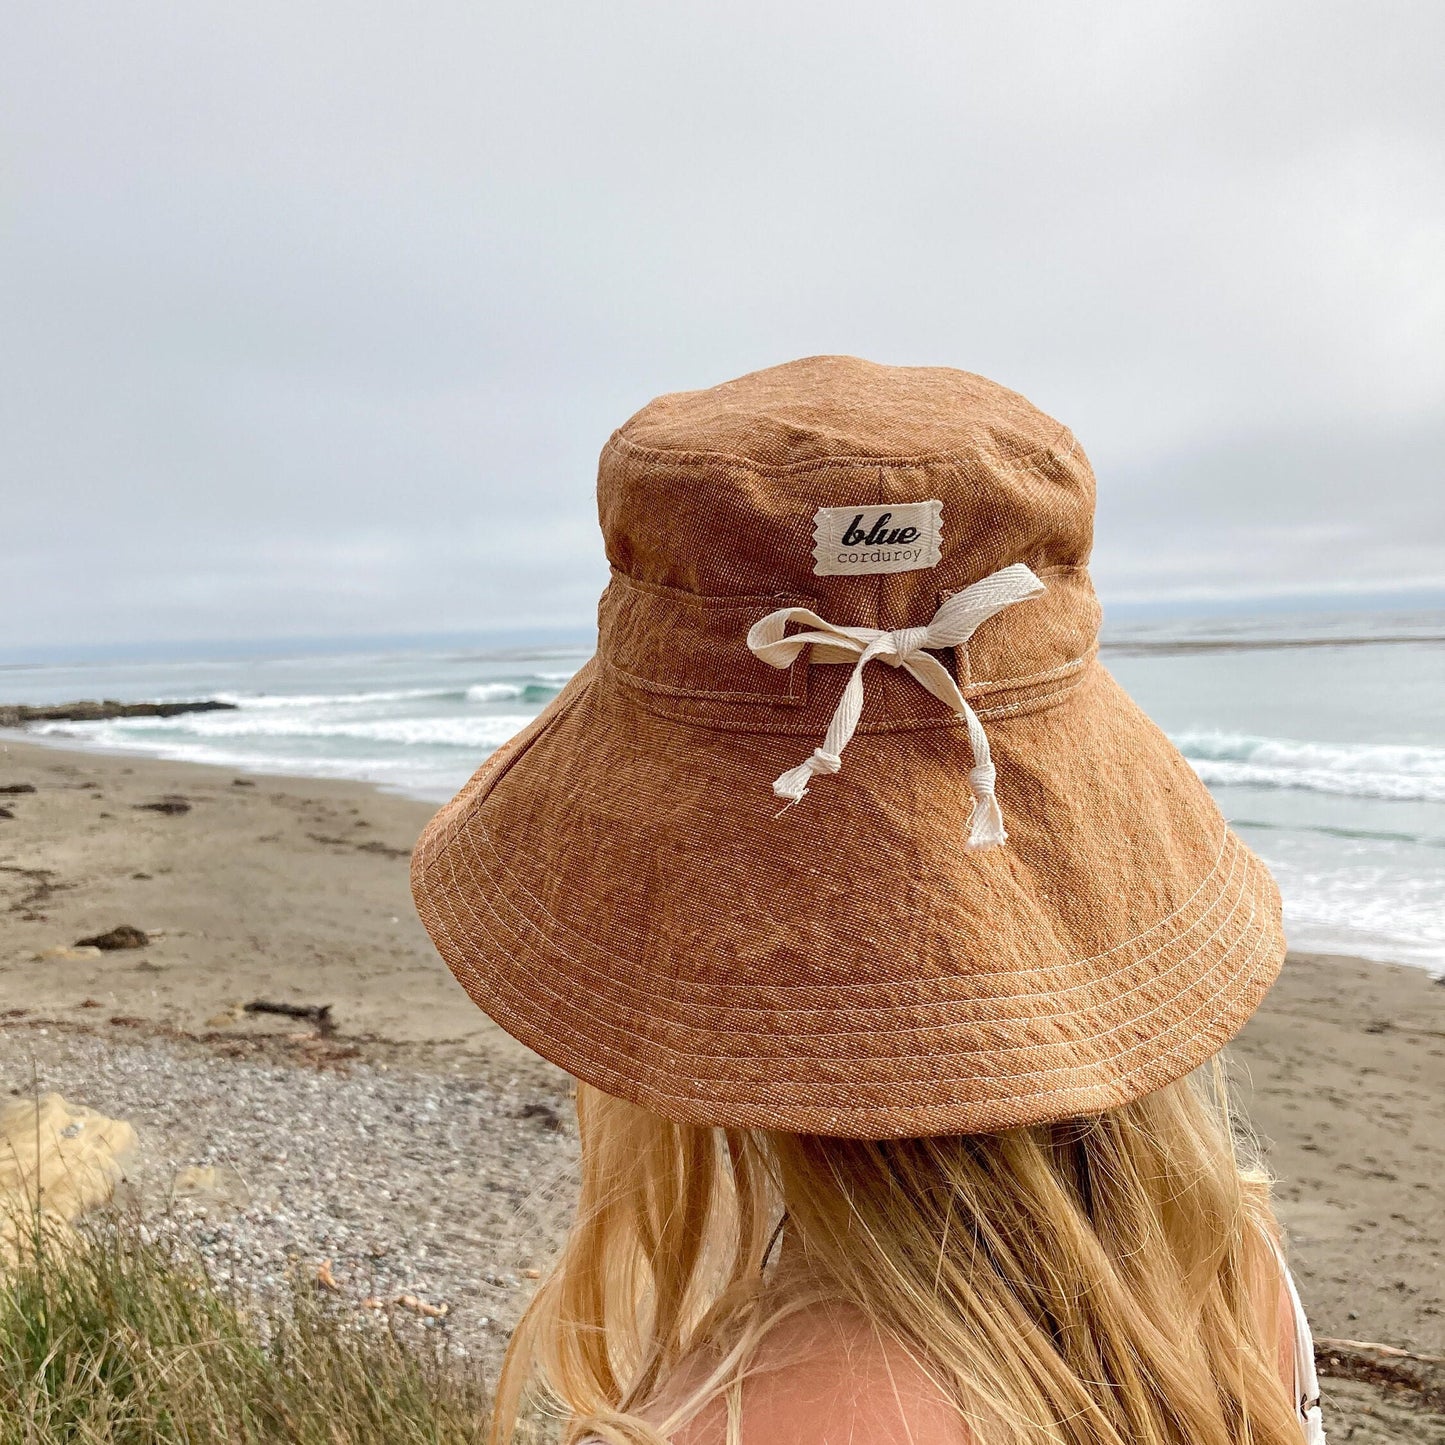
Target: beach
x: 411, y: 1148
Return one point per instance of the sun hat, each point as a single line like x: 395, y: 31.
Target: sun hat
x: 845, y: 829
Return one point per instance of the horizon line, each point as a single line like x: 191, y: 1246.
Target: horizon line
x: 571, y: 635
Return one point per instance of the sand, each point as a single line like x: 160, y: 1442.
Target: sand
x: 295, y: 891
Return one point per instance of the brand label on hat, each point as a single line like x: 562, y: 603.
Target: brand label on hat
x: 895, y: 537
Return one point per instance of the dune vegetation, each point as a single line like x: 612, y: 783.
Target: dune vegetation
x: 106, y: 1337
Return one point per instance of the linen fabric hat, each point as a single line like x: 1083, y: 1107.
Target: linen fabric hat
x: 845, y: 829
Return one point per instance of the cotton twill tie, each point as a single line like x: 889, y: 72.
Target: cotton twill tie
x: 952, y: 625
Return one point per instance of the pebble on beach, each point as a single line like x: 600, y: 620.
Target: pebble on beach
x: 435, y: 1195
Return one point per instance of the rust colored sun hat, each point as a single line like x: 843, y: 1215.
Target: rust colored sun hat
x: 845, y: 829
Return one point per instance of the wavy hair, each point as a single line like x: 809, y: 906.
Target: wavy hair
x: 1106, y: 1280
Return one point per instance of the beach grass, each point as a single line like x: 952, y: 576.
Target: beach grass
x: 106, y: 1337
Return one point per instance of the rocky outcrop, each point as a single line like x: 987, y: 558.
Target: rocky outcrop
x: 57, y: 1160
x: 18, y: 715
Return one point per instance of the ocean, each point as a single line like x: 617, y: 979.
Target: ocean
x: 1321, y: 736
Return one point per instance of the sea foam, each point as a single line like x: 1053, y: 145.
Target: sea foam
x: 1360, y: 770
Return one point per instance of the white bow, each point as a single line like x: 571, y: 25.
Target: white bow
x: 952, y: 625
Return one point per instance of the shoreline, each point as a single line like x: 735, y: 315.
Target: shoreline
x: 64, y: 743
x: 448, y: 1145
x: 1363, y: 950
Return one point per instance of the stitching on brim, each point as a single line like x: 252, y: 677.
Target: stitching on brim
x: 1117, y: 1083
x: 1131, y: 1022
x: 637, y: 1001
x: 592, y: 1046
x: 507, y: 884
x: 551, y: 943
x: 513, y: 986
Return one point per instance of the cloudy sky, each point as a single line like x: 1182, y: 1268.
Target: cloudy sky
x: 309, y: 311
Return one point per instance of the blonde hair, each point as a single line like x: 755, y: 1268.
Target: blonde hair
x: 1108, y: 1280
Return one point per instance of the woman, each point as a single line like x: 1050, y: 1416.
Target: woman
x: 883, y: 935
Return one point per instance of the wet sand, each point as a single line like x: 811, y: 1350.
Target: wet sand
x: 295, y: 891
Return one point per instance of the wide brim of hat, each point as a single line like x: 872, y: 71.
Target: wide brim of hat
x: 620, y: 890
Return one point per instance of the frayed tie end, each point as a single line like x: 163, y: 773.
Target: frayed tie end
x: 985, y: 825
x: 793, y: 784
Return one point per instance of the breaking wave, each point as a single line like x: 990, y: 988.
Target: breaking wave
x: 1358, y: 770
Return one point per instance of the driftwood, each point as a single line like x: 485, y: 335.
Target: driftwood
x: 316, y: 1013
x: 1374, y: 1347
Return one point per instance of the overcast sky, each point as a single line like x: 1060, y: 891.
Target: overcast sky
x: 310, y: 311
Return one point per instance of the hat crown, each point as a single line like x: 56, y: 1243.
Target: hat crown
x: 869, y: 494
x: 716, y: 492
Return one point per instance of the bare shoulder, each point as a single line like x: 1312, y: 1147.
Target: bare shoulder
x: 826, y: 1378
